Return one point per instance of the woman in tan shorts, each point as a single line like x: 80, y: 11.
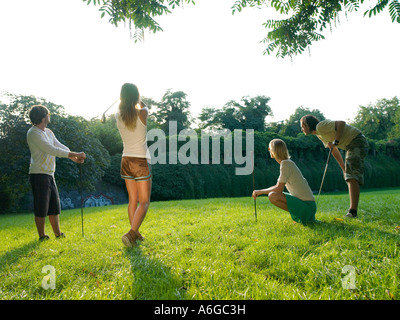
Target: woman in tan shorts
x: 135, y: 167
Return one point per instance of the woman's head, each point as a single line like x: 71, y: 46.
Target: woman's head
x: 130, y: 94
x: 278, y: 149
x: 130, y: 97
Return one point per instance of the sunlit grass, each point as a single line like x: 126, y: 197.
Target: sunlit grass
x: 209, y: 249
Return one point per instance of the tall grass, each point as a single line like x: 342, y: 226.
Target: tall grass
x: 210, y: 249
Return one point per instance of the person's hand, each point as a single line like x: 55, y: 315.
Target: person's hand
x: 78, y: 157
x: 331, y: 145
x: 142, y: 105
x: 255, y: 194
x: 77, y: 160
x: 81, y: 155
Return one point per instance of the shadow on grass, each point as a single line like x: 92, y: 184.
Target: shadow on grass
x: 152, y: 280
x: 12, y: 256
x: 364, y: 232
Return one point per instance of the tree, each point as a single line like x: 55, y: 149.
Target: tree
x: 303, y: 23
x: 215, y: 119
x: 173, y: 107
x: 249, y: 113
x: 394, y: 133
x: 379, y: 121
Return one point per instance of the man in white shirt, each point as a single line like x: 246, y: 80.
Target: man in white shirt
x: 44, y: 148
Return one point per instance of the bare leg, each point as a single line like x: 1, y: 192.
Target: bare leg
x: 278, y: 199
x: 40, y: 222
x: 138, y: 192
x: 131, y: 187
x: 55, y: 224
x: 354, y: 193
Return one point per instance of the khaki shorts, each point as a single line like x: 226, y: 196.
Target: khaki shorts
x: 356, y: 151
x: 133, y: 168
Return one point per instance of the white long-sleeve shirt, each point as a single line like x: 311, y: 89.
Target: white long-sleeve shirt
x: 44, y: 147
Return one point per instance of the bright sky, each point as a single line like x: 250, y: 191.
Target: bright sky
x: 64, y: 52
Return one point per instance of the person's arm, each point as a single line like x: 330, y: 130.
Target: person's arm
x: 339, y: 127
x: 337, y: 155
x: 77, y: 157
x: 39, y: 141
x: 143, y: 113
x: 58, y: 144
x: 276, y: 188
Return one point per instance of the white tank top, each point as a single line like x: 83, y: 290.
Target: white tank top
x: 134, y: 141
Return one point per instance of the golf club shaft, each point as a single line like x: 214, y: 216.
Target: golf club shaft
x: 103, y: 118
x: 255, y: 201
x: 323, y: 177
x: 81, y: 199
x: 255, y: 209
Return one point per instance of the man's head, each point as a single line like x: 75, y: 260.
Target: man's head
x: 308, y: 124
x: 37, y: 113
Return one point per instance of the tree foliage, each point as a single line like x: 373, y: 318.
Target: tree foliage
x: 249, y: 113
x: 292, y: 127
x: 379, y: 121
x: 174, y: 106
x: 139, y: 14
x: 303, y: 22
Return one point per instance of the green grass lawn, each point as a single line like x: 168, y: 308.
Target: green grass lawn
x: 210, y: 249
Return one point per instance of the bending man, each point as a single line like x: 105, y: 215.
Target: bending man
x: 338, y: 134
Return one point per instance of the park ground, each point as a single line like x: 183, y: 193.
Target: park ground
x: 209, y: 249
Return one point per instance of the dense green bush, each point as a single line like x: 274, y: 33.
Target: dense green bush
x: 177, y: 181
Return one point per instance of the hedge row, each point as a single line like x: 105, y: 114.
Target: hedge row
x: 195, y: 181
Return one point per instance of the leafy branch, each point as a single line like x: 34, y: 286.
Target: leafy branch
x: 139, y: 14
x: 304, y: 21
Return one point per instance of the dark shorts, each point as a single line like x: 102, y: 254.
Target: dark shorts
x: 356, y: 151
x: 46, y: 200
x: 133, y: 168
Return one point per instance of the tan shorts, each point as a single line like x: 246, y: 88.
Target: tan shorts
x: 133, y: 168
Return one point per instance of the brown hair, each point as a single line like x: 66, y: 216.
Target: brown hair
x: 130, y: 97
x: 37, y: 113
x: 311, y: 121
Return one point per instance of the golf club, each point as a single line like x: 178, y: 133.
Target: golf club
x: 323, y: 177
x: 81, y: 199
x: 103, y: 118
x: 255, y: 201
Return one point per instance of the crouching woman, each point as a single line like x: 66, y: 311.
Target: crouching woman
x: 299, y: 201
